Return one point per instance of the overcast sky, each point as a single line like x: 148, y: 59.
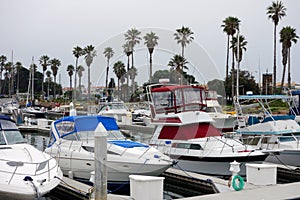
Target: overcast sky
x: 33, y: 28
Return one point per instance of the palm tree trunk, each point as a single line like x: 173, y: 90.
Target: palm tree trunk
x: 42, y: 85
x: 150, y: 75
x: 182, y: 50
x: 107, y: 69
x: 18, y: 82
x: 54, y: 88
x: 89, y: 83
x: 132, y: 65
x: 75, y: 84
x: 48, y: 90
x: 274, y: 67
x: 128, y: 63
x: 289, y: 69
x: 227, y: 57
x: 232, y: 75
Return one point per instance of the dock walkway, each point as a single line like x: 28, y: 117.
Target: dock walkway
x: 273, y: 192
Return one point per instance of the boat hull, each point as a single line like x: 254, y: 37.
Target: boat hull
x: 217, y: 166
x: 116, y: 171
x: 285, y: 157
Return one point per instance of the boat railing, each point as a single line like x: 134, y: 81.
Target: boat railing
x: 270, y: 141
x: 39, y: 168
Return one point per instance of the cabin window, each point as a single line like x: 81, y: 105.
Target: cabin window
x: 65, y: 127
x: 183, y: 145
x: 195, y: 147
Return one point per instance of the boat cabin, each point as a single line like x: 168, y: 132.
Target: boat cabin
x: 177, y: 98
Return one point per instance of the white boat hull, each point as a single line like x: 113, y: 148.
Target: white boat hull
x: 116, y: 171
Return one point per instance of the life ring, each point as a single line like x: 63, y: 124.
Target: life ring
x: 241, y: 184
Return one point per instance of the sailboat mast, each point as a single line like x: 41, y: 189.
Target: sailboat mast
x: 238, y: 64
x: 32, y: 79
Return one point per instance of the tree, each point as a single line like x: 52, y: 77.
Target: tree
x: 128, y: 51
x: 3, y: 60
x: 119, y: 70
x: 287, y: 36
x: 132, y: 74
x: 132, y: 38
x: 90, y: 53
x: 178, y: 63
x: 151, y: 41
x: 230, y: 25
x: 80, y: 69
x: 70, y: 70
x: 218, y: 86
x: 238, y: 46
x: 18, y: 69
x: 77, y: 52
x: 8, y: 71
x: 160, y: 74
x: 242, y: 47
x: 183, y: 37
x: 247, y: 83
x: 108, y: 53
x: 275, y: 12
x: 48, y: 74
x: 44, y: 62
x: 55, y: 63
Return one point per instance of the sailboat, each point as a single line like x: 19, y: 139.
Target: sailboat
x: 31, y: 109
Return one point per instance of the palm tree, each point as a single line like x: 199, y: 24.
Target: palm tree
x: 18, y: 68
x: 287, y: 36
x: 178, y: 63
x: 8, y: 71
x: 55, y: 63
x: 48, y: 74
x: 70, y: 70
x: 128, y: 51
x: 238, y: 44
x: 119, y: 70
x: 80, y: 69
x: 90, y: 53
x: 44, y: 62
x: 108, y: 53
x: 132, y: 74
x: 242, y: 47
x: 77, y: 52
x: 275, y: 12
x: 132, y: 38
x: 183, y: 37
x: 230, y: 25
x: 3, y: 59
x: 151, y: 41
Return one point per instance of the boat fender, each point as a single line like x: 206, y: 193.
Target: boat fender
x: 241, y: 183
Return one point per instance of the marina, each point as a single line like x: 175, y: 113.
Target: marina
x: 180, y: 184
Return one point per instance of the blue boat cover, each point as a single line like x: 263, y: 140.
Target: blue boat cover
x: 127, y: 143
x: 88, y: 123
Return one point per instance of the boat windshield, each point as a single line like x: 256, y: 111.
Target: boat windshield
x: 11, y: 137
x: 90, y: 135
x: 111, y: 135
x: 178, y: 100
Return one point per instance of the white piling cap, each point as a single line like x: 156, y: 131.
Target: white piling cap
x: 100, y: 130
x: 234, y: 167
